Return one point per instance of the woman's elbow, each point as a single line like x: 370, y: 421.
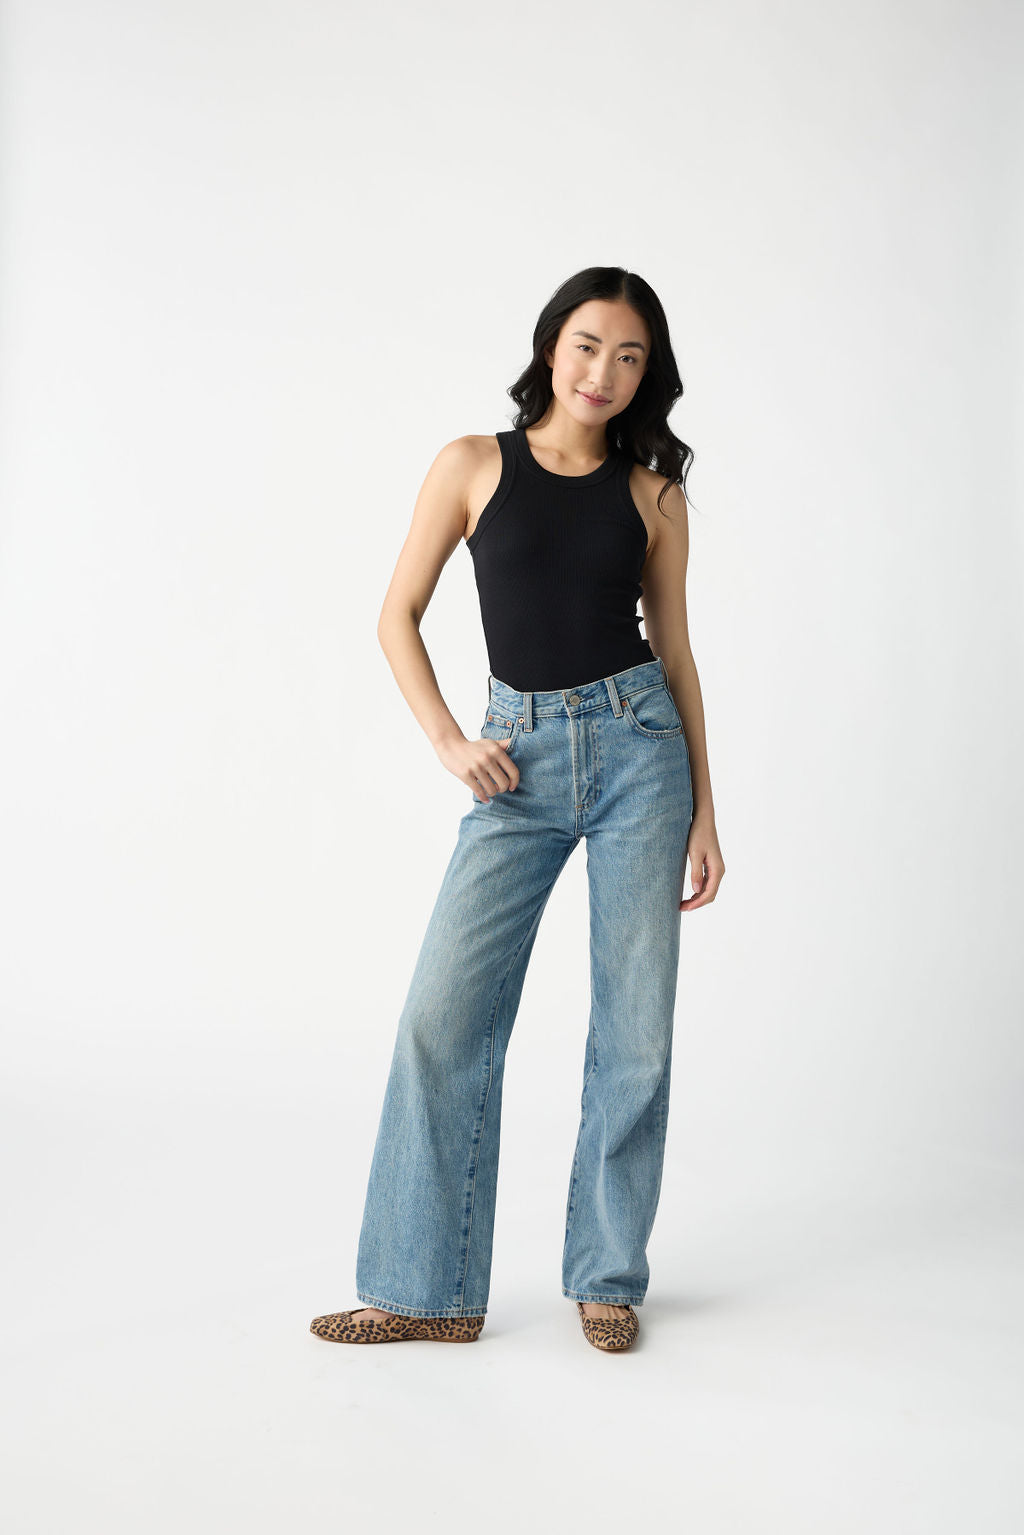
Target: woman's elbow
x: 393, y: 618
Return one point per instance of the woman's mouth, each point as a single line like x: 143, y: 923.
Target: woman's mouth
x: 592, y: 399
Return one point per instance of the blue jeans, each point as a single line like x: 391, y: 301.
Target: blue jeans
x: 608, y: 761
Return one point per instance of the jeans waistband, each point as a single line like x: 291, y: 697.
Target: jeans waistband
x: 577, y: 700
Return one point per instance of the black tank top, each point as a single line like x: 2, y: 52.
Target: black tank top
x: 557, y: 559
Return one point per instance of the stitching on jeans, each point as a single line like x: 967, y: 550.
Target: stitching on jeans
x: 642, y: 688
x: 595, y: 738
x: 663, y: 735
x: 570, y: 1212
x: 595, y: 708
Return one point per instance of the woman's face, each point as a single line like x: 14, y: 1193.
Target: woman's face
x: 599, y: 359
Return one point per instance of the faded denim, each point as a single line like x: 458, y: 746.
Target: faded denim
x: 607, y: 761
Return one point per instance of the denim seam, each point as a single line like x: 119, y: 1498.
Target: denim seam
x: 574, y: 1178
x: 515, y: 731
x: 576, y: 1157
x: 595, y: 741
x: 575, y: 782
x: 604, y: 703
x: 414, y: 1311
x: 654, y: 735
x: 610, y: 1300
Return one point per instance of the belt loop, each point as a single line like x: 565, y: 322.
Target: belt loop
x: 527, y: 711
x: 664, y: 673
x: 613, y: 696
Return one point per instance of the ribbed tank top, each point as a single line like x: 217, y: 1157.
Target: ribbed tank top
x: 557, y: 559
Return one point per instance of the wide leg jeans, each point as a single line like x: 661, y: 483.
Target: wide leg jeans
x: 606, y: 761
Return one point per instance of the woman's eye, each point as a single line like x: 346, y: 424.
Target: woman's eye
x: 626, y: 356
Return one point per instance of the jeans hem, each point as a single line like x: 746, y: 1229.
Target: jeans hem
x: 610, y: 1300
x: 400, y: 1310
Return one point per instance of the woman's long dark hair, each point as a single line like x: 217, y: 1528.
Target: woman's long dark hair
x: 641, y: 431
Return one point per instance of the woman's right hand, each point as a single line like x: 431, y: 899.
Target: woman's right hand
x: 483, y: 765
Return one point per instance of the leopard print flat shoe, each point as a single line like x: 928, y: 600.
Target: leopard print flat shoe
x: 346, y: 1327
x: 610, y: 1334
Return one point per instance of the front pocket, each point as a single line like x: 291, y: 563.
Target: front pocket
x: 653, y: 713
x: 496, y: 727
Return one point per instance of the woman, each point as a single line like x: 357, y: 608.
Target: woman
x: 591, y: 730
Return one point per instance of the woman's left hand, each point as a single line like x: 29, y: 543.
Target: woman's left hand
x: 707, y: 865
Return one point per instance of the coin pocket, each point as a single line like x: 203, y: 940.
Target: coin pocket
x: 497, y: 727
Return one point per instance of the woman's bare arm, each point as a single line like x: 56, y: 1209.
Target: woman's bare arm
x: 663, y: 602
x: 438, y: 525
x: 439, y: 522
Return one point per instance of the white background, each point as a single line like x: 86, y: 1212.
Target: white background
x: 260, y: 262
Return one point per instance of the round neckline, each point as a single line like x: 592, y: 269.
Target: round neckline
x: 605, y: 468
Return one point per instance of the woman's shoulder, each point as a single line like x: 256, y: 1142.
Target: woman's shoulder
x: 654, y: 494
x: 649, y: 484
x: 467, y: 460
x: 470, y: 452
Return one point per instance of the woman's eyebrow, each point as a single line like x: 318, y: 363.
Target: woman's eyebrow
x: 589, y: 337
